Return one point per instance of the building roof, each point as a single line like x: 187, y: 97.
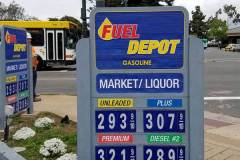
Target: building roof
x: 234, y: 32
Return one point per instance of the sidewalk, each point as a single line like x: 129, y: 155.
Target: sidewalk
x: 222, y: 133
x: 59, y: 104
x: 222, y: 137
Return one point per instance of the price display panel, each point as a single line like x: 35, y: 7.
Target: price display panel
x: 11, y: 89
x: 164, y: 153
x: 116, y: 153
x: 115, y: 121
x: 23, y: 103
x: 23, y: 85
x: 164, y: 121
x: 16, y: 69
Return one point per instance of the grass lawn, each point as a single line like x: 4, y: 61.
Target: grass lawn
x: 66, y: 132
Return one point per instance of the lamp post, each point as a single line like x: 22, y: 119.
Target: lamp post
x: 125, y: 3
x: 100, y: 3
x: 84, y: 19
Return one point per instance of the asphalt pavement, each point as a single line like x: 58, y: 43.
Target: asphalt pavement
x: 222, y: 82
x: 221, y: 79
x: 57, y: 80
x: 222, y: 73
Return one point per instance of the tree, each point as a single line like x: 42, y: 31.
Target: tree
x: 71, y: 19
x: 3, y: 9
x: 135, y: 3
x: 232, y: 13
x: 198, y: 26
x: 217, y: 29
x: 74, y: 20
x: 219, y: 12
x: 132, y: 3
x: 150, y: 2
x: 30, y: 18
x: 13, y: 12
x: 53, y: 19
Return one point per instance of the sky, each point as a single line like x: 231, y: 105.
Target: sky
x: 43, y: 9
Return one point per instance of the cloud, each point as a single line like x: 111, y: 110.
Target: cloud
x: 189, y: 4
x: 44, y: 9
x: 209, y: 7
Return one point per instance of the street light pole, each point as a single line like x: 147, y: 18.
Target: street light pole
x: 100, y: 3
x: 84, y: 19
x: 125, y: 3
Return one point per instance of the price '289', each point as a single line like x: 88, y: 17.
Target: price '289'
x: 164, y: 152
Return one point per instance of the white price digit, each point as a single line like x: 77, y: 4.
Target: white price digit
x: 112, y: 152
x: 100, y: 125
x: 111, y: 120
x: 101, y: 154
x: 123, y: 154
x: 149, y: 153
x: 172, y: 117
x: 171, y: 154
x: 160, y: 121
x: 10, y: 89
x: 123, y: 117
x: 149, y: 119
x: 7, y: 90
x: 160, y: 154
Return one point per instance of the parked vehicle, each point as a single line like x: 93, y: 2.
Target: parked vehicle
x: 213, y: 43
x: 232, y: 47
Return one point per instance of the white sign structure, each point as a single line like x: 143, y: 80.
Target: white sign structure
x: 140, y: 92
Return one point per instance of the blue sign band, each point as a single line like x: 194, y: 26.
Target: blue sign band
x: 14, y: 67
x: 23, y: 76
x: 143, y: 40
x: 164, y: 103
x: 15, y: 45
x: 140, y: 83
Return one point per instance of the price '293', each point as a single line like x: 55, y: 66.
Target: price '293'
x: 115, y: 121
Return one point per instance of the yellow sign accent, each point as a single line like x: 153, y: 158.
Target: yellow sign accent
x: 146, y: 47
x: 115, y: 103
x: 20, y: 47
x: 10, y: 38
x: 103, y: 33
x: 11, y: 79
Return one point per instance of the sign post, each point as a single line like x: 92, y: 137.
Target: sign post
x: 136, y: 86
x: 15, y: 71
